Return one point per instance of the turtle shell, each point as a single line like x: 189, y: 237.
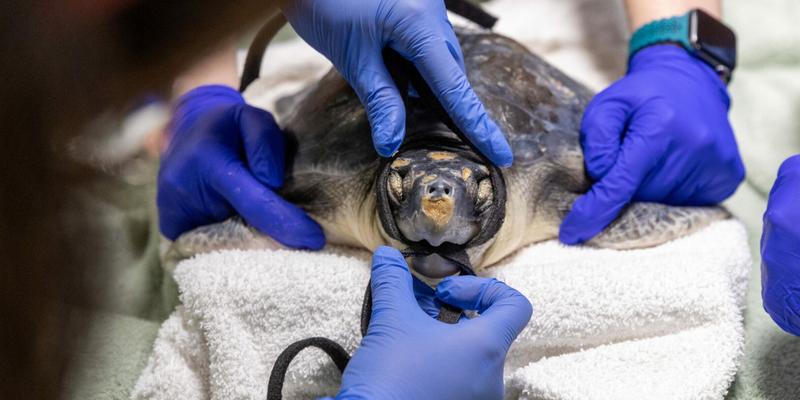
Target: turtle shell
x: 331, y: 159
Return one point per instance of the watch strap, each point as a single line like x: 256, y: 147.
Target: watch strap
x: 673, y: 30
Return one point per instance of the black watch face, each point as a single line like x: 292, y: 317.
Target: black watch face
x: 714, y: 38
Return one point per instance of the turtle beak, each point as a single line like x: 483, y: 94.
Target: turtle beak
x: 443, y: 209
x: 437, y: 203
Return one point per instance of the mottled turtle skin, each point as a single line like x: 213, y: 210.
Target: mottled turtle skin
x: 333, y: 167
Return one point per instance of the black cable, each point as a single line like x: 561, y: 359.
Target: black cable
x: 255, y: 53
x: 472, y: 12
x: 335, y: 351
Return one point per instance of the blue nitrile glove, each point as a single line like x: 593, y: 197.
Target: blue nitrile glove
x: 225, y: 158
x: 407, y: 354
x: 659, y: 134
x: 780, y: 249
x: 353, y: 33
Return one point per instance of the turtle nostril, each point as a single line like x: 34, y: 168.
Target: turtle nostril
x: 440, y: 188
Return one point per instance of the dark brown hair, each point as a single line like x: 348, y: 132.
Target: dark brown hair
x: 63, y: 63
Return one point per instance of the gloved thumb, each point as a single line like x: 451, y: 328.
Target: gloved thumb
x: 263, y: 145
x: 502, y: 308
x: 593, y: 211
x: 384, y: 105
x: 265, y: 210
x: 392, y: 287
x: 426, y: 298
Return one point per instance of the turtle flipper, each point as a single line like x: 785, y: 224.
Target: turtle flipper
x: 650, y: 224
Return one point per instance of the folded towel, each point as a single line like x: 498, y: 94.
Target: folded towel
x: 658, y: 323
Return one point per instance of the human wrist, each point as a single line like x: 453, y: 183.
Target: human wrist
x: 642, y: 12
x: 702, y: 35
x: 660, y: 54
x: 673, y: 56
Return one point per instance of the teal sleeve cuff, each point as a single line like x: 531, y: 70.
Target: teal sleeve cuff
x: 675, y: 30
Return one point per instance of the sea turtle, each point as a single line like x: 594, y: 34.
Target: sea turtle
x: 439, y: 194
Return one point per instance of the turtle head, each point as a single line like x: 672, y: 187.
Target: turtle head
x: 438, y: 196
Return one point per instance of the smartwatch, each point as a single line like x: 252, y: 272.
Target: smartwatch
x: 699, y: 33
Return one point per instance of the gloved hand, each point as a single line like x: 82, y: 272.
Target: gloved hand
x: 225, y: 158
x: 406, y: 354
x: 353, y: 33
x: 780, y: 249
x: 659, y: 134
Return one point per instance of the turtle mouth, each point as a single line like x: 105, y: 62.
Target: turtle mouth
x: 434, y: 266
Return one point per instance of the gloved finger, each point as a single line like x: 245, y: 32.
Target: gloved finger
x: 465, y: 292
x: 263, y: 145
x: 710, y: 178
x: 793, y: 315
x: 502, y: 308
x: 779, y: 238
x: 602, y: 126
x: 593, y: 211
x: 265, y: 210
x: 433, y: 57
x: 426, y: 298
x: 780, y: 278
x: 787, y: 184
x: 452, y: 43
x: 714, y: 189
x: 392, y: 287
x: 783, y: 307
x: 385, y: 110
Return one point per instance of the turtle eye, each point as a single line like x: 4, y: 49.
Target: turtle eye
x: 485, y: 195
x: 395, y: 188
x: 401, y: 165
x: 481, y: 172
x: 395, y: 185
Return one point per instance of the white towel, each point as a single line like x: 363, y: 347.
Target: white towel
x: 658, y: 323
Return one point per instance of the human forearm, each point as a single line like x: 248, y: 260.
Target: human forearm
x: 641, y: 12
